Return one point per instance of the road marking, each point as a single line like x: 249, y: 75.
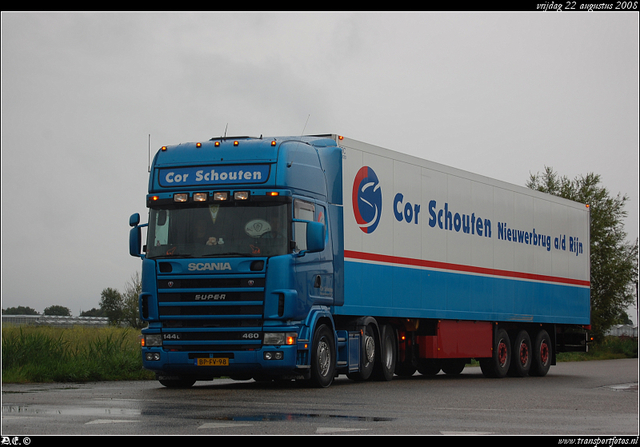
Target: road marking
x: 223, y: 425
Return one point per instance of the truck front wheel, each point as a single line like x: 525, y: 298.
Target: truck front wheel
x: 323, y: 357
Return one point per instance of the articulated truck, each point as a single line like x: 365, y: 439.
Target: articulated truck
x: 304, y: 258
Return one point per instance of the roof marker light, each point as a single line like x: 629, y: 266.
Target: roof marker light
x: 273, y: 143
x: 164, y: 148
x: 217, y: 144
x: 180, y: 197
x: 198, y: 144
x: 200, y: 196
x: 235, y: 143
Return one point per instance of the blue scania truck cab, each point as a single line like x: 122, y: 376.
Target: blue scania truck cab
x: 239, y: 268
x: 312, y: 256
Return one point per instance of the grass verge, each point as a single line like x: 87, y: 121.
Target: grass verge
x: 79, y: 354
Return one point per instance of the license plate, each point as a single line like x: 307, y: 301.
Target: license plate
x: 212, y: 362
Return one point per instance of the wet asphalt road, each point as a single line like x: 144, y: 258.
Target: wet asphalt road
x: 594, y: 398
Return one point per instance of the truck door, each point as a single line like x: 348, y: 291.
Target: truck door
x: 314, y: 271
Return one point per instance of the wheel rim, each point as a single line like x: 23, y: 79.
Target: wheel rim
x: 324, y: 357
x: 544, y: 353
x: 369, y: 348
x: 502, y: 353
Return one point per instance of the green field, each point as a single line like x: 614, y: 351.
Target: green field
x: 82, y: 354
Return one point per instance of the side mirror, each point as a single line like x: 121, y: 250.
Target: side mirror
x: 315, y: 237
x: 135, y: 236
x: 134, y: 220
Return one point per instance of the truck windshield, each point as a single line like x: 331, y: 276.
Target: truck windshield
x: 247, y: 229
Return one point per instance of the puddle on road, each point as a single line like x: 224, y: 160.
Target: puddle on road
x: 624, y: 387
x: 299, y: 416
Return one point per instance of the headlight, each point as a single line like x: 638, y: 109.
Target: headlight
x: 152, y: 340
x: 280, y: 338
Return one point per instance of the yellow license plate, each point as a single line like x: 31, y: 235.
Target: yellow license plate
x: 212, y: 362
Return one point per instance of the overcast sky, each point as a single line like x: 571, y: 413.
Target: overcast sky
x: 499, y: 94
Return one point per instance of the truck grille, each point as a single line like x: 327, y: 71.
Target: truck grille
x: 211, y: 314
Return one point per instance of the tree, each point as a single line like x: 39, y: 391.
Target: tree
x: 132, y: 290
x: 20, y: 310
x: 59, y: 311
x: 614, y: 265
x: 111, y: 304
x: 92, y: 313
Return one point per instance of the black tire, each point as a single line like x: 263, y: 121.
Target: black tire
x: 385, y: 365
x: 367, y: 356
x: 323, y: 357
x: 498, y: 365
x: 521, y: 360
x: 542, y: 352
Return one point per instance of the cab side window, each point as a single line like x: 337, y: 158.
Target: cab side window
x: 302, y: 210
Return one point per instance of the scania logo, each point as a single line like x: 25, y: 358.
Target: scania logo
x: 209, y: 266
x: 367, y: 199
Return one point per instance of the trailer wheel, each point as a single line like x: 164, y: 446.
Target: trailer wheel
x: 498, y: 365
x: 323, y: 357
x: 385, y: 365
x: 367, y: 356
x: 521, y: 361
x: 541, y: 358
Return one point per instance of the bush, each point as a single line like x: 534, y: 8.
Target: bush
x: 79, y: 354
x: 609, y: 348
